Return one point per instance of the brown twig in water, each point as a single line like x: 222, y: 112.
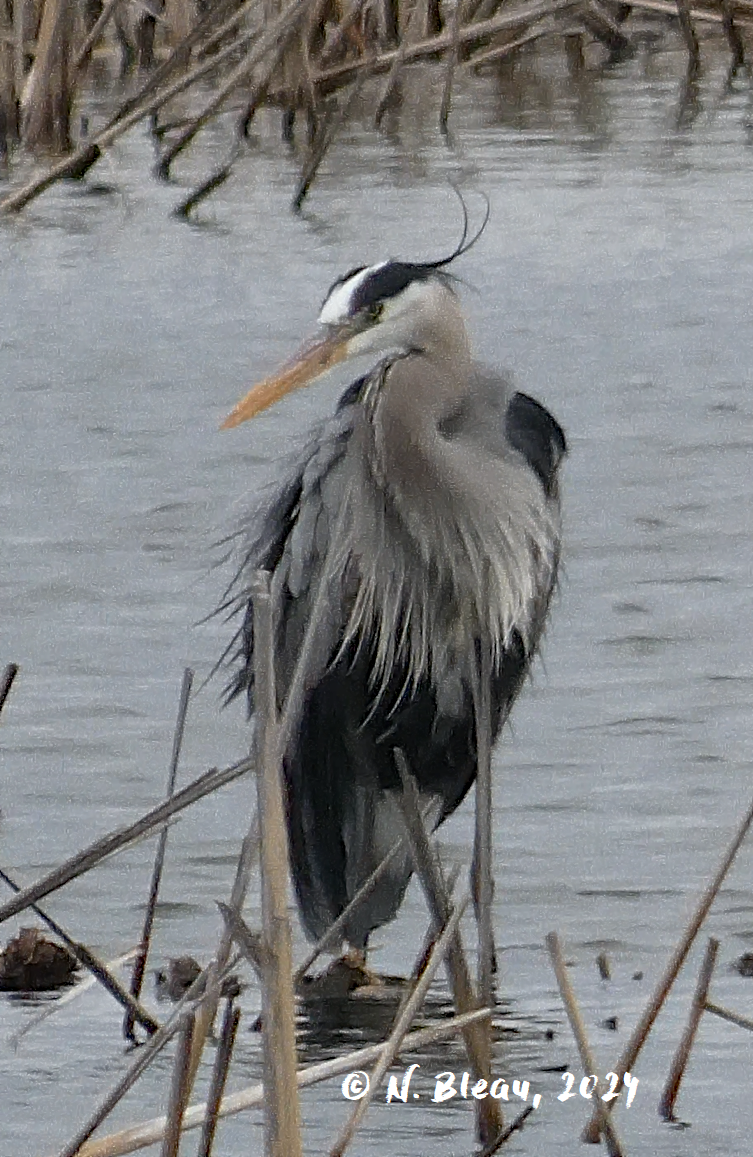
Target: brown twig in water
x: 139, y: 968
x: 402, y: 1024
x: 180, y: 1088
x: 614, y: 1147
x: 518, y: 1123
x: 120, y: 838
x: 680, y: 1060
x: 219, y: 1076
x: 477, y: 1041
x: 151, y: 1132
x: 6, y: 682
x: 676, y: 961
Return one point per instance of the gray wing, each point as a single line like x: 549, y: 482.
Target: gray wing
x: 290, y: 536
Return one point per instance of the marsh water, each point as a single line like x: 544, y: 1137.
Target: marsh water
x: 615, y: 280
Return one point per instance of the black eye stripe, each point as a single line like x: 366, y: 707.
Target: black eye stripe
x: 385, y: 282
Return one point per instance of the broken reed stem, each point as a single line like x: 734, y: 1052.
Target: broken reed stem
x: 328, y: 129
x: 477, y: 1038
x: 6, y: 682
x: 725, y: 1014
x: 731, y: 31
x: 430, y: 939
x: 453, y: 56
x: 215, y: 181
x: 689, y: 33
x: 219, y: 1077
x: 614, y: 1147
x: 518, y: 1123
x: 402, y: 1024
x: 151, y: 1132
x: 139, y: 968
x: 93, y: 964
x: 146, y: 1055
x: 251, y: 944
x: 275, y: 37
x: 120, y: 838
x: 282, y: 1109
x: 180, y: 1087
x: 680, y: 1060
x: 329, y: 79
x: 85, y: 51
x: 677, y: 959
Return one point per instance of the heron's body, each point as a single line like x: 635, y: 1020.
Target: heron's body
x: 423, y: 521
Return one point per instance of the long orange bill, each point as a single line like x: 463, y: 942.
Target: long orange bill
x: 313, y: 361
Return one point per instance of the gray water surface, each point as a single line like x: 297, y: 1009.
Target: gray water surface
x: 615, y: 280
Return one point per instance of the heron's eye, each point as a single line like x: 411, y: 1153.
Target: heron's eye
x: 375, y: 311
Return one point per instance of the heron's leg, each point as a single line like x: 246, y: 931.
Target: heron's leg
x: 475, y: 893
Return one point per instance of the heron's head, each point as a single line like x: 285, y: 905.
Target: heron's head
x: 393, y: 307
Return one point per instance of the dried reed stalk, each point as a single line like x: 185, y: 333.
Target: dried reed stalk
x: 680, y: 1059
x: 689, y: 34
x: 725, y: 1014
x: 48, y: 91
x: 93, y: 964
x: 82, y: 56
x: 219, y: 1077
x: 477, y: 1041
x: 677, y: 959
x: 151, y: 1132
x: 139, y: 968
x: 403, y: 1022
x: 180, y: 1087
x: 731, y: 31
x: 274, y: 40
x: 282, y: 1109
x: 120, y: 838
x: 6, y: 682
x: 614, y: 1147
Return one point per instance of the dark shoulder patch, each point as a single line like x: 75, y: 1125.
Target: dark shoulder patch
x: 537, y: 435
x: 352, y: 395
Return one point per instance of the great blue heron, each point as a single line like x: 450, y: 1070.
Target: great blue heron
x: 423, y: 520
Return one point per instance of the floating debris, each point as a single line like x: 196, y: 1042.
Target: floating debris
x: 744, y: 964
x: 33, y: 963
x: 173, y: 982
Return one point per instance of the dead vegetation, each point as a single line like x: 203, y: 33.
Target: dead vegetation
x: 187, y: 62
